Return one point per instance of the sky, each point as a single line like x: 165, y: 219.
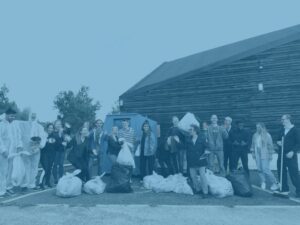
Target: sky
x: 52, y: 46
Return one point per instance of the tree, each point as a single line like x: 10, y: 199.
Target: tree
x: 116, y: 108
x: 5, y: 103
x: 76, y: 108
x: 4, y: 100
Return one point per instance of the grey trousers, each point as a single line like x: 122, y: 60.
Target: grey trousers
x: 220, y: 159
x: 199, y: 184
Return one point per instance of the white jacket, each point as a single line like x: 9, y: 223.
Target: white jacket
x: 10, y: 137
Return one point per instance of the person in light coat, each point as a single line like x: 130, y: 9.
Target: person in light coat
x: 31, y: 161
x: 262, y: 150
x: 10, y: 143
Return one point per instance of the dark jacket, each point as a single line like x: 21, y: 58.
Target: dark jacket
x: 195, y: 151
x: 114, y: 146
x: 237, y: 137
x: 291, y: 140
x: 79, y: 154
x: 59, y: 140
x: 175, y: 146
x: 228, y: 142
x: 50, y: 146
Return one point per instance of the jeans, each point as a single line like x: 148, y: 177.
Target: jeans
x: 182, y: 161
x: 173, y: 163
x: 93, y: 166
x: 146, y: 165
x: 236, y: 155
x: 58, y: 166
x: 228, y: 161
x: 220, y: 158
x: 263, y: 169
x: 199, y: 184
x: 47, y: 160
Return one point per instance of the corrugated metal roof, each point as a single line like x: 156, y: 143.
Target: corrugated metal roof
x: 217, y: 56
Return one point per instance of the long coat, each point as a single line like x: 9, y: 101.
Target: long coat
x: 267, y: 147
x: 150, y: 145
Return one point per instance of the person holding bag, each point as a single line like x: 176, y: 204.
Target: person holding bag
x: 148, y: 145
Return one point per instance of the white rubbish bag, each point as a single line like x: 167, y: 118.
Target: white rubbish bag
x: 125, y: 156
x: 69, y: 185
x: 18, y: 170
x: 152, y: 180
x: 173, y: 183
x: 94, y: 186
x: 219, y: 187
x: 186, y: 122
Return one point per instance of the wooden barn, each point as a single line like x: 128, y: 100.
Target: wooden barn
x: 257, y: 79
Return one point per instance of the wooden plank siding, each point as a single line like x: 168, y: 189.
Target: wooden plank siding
x: 230, y: 90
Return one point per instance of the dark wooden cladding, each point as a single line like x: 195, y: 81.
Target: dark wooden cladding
x: 230, y: 90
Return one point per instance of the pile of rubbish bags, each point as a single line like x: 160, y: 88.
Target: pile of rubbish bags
x: 71, y: 186
x: 219, y: 187
x: 173, y: 183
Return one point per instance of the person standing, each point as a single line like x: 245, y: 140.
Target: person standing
x: 216, y: 135
x: 196, y: 159
x: 80, y: 152
x: 240, y: 145
x: 31, y: 161
x: 48, y: 156
x: 289, y: 141
x: 58, y: 166
x: 174, y: 146
x: 262, y: 150
x: 10, y: 142
x: 97, y: 144
x: 129, y: 134
x: 228, y: 161
x: 114, y: 146
x: 148, y: 145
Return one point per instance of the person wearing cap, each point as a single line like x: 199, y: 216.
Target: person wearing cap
x: 31, y: 161
x: 10, y: 142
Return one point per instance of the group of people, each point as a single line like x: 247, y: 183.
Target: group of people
x: 187, y: 152
x: 223, y: 146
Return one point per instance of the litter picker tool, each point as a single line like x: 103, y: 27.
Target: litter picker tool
x: 280, y: 193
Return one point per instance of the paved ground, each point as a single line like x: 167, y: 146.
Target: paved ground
x: 146, y: 207
x: 141, y: 214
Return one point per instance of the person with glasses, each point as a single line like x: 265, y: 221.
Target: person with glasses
x: 289, y: 143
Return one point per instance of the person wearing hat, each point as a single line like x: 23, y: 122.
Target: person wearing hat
x: 10, y: 142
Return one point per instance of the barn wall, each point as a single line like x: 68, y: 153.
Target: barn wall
x: 230, y: 90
